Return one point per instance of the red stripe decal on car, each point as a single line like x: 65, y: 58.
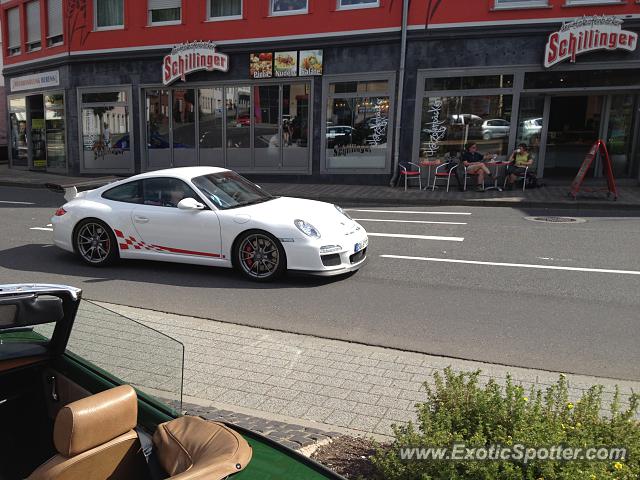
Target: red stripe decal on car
x: 119, y: 233
x: 187, y: 252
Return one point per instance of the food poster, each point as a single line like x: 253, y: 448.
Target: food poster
x: 286, y: 64
x: 310, y: 62
x: 261, y: 65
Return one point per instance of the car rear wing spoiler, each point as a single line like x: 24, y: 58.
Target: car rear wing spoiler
x: 70, y: 190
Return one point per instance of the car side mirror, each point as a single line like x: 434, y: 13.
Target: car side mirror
x: 190, y: 204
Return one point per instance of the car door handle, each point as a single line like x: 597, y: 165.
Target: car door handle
x: 139, y: 219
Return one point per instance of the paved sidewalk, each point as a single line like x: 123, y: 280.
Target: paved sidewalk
x: 312, y: 385
x: 551, y: 196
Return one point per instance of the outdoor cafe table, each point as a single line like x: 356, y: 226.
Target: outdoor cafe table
x: 429, y: 164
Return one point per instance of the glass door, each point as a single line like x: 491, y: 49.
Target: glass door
x: 37, y: 133
x: 56, y: 138
x: 238, y: 126
x: 574, y: 125
x: 530, y: 126
x: 619, y: 136
x: 18, y: 125
x: 184, y: 128
x: 158, y: 131
x: 266, y: 129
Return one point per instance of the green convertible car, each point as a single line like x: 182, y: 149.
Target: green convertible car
x: 69, y: 409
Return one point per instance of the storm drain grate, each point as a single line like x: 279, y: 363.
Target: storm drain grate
x: 556, y: 219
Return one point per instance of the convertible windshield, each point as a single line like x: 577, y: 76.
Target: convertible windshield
x: 230, y: 190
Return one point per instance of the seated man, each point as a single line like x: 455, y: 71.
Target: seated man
x: 521, y: 159
x: 473, y: 161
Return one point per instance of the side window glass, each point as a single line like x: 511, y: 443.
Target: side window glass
x: 166, y: 192
x: 129, y: 192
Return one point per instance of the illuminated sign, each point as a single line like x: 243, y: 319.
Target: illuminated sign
x: 192, y: 57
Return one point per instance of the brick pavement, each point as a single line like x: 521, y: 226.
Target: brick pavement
x: 321, y: 384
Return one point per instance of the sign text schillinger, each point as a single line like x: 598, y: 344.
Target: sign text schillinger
x: 192, y: 57
x: 586, y: 34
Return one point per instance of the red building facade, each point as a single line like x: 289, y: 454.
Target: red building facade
x: 84, y: 81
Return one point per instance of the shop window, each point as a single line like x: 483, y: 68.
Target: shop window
x: 210, y: 111
x: 13, y: 21
x: 225, y: 9
x: 18, y: 127
x: 505, y: 4
x: 54, y: 23
x: 34, y: 42
x: 295, y: 126
x: 285, y: 7
x: 109, y: 14
x: 105, y: 127
x: 165, y: 11
x: 357, y: 125
x: 158, y: 137
x: 468, y: 83
x: 449, y: 123
x: 238, y: 126
x: 184, y: 127
x: 54, y: 115
x: 351, y: 4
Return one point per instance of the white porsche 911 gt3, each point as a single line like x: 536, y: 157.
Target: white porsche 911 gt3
x: 208, y: 216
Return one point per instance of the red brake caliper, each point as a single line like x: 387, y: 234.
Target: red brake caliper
x: 248, y: 250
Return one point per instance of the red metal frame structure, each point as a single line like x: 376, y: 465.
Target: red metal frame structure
x: 599, y: 147
x: 322, y: 20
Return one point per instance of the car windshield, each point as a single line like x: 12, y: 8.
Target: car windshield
x: 229, y: 190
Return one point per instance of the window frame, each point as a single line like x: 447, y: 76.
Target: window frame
x: 341, y: 7
x: 284, y: 13
x: 586, y: 3
x: 35, y: 45
x: 53, y: 40
x: 15, y: 49
x: 96, y: 28
x: 520, y: 4
x: 196, y: 194
x: 226, y: 17
x: 151, y: 23
x: 141, y: 191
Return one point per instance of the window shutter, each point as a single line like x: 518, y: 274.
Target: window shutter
x: 162, y: 4
x: 54, y: 8
x: 33, y: 21
x: 13, y: 19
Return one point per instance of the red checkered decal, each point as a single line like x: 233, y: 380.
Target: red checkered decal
x: 130, y: 242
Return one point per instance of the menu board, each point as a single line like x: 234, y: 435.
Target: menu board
x: 310, y: 63
x: 261, y: 65
x: 304, y: 63
x: 286, y: 64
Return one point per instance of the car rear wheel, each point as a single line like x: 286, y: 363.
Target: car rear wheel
x: 95, y: 243
x: 259, y: 256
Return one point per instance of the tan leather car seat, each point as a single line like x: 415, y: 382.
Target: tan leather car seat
x: 95, y: 439
x: 192, y: 448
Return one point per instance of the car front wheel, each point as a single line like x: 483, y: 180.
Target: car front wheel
x: 259, y: 256
x: 95, y: 243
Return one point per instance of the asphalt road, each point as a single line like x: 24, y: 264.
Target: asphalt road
x: 560, y: 297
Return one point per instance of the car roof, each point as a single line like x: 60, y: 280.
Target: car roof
x: 184, y: 173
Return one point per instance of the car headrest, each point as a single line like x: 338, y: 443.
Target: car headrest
x: 95, y: 420
x: 192, y: 448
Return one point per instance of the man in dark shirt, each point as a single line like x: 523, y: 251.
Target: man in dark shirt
x: 473, y: 161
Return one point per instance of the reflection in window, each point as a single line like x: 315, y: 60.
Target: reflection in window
x: 284, y: 6
x: 237, y: 108
x: 18, y: 125
x: 157, y: 102
x: 225, y: 8
x: 358, y: 3
x: 449, y: 123
x: 210, y: 108
x: 161, y: 11
x: 183, y: 119
x: 356, y: 132
x: 295, y: 125
x: 109, y: 13
x: 468, y: 83
x: 54, y: 118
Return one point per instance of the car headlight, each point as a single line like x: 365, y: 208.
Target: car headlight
x: 306, y: 228
x: 341, y: 210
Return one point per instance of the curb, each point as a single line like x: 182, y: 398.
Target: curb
x: 421, y: 202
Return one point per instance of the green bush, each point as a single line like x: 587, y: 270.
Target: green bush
x: 457, y: 409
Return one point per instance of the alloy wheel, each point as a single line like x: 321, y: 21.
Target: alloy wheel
x: 94, y: 244
x: 259, y: 256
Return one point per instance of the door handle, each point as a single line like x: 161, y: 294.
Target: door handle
x: 139, y: 219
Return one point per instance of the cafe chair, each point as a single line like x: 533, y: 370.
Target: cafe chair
x: 467, y: 176
x: 522, y: 176
x: 407, y: 171
x: 444, y: 171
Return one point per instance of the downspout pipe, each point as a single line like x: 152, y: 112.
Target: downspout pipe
x: 398, y: 122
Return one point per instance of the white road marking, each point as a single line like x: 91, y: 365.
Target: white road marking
x: 49, y: 224
x: 45, y: 246
x: 17, y: 203
x: 407, y: 221
x: 416, y: 237
x: 44, y: 229
x: 408, y: 211
x: 518, y: 265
